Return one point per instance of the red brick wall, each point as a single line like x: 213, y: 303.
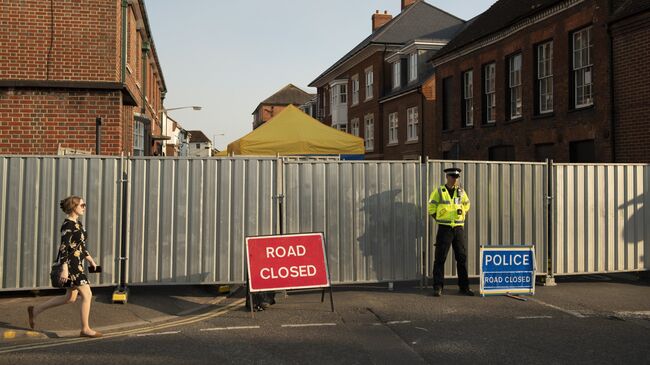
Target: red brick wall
x: 560, y: 128
x: 35, y: 122
x: 631, y: 49
x: 404, y: 149
x: 84, y: 46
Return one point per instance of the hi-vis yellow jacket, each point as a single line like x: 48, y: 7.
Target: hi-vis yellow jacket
x: 445, y: 208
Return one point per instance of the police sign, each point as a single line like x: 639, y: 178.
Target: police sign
x: 507, y: 270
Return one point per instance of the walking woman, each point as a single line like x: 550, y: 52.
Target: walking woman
x: 71, y: 256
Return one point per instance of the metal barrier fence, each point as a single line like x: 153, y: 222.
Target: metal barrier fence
x: 508, y: 208
x: 188, y: 217
x: 30, y: 217
x: 370, y: 212
x: 601, y: 220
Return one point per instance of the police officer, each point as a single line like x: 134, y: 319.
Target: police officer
x: 448, y: 205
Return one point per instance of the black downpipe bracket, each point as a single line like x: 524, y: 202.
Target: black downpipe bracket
x: 98, y: 136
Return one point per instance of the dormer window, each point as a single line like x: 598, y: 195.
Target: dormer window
x: 413, y: 66
x: 397, y: 73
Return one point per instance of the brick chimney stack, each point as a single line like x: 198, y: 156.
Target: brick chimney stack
x: 407, y: 3
x: 378, y: 20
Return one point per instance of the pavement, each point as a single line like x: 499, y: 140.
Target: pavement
x: 597, y: 319
x: 146, y: 305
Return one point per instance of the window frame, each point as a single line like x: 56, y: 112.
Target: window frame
x: 369, y: 132
x: 468, y: 98
x: 544, y: 78
x: 138, y: 137
x: 354, y: 127
x: 515, y: 87
x: 413, y: 67
x: 489, y: 95
x: 397, y: 74
x: 355, y: 89
x: 585, y: 68
x: 370, y: 83
x: 412, y: 123
x: 393, y: 129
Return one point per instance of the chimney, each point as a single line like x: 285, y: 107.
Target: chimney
x: 378, y: 20
x: 407, y: 3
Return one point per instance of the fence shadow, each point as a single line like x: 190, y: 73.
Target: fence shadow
x: 631, y: 234
x: 391, y: 234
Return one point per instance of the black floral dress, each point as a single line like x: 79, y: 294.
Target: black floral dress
x: 73, y: 252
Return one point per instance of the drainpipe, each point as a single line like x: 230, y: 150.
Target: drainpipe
x: 125, y: 6
x: 145, y: 65
x: 422, y: 101
x: 612, y: 105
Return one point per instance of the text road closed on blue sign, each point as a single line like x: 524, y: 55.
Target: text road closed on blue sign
x: 507, y: 270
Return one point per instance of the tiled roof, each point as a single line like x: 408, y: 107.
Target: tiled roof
x: 500, y: 15
x: 630, y: 7
x: 289, y: 94
x: 198, y: 137
x: 419, y: 21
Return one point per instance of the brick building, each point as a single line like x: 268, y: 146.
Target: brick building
x: 377, y: 90
x: 66, y: 63
x: 274, y: 104
x: 530, y: 80
x: 630, y: 32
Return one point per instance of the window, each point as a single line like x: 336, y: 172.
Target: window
x: 502, y: 153
x: 514, y: 83
x: 355, y: 89
x: 198, y: 145
x: 582, y: 68
x: 543, y: 151
x: 489, y: 95
x: 412, y: 124
x: 545, y: 78
x: 343, y: 94
x: 342, y: 127
x: 369, y: 83
x: 369, y: 133
x: 582, y: 151
x: 397, y: 73
x: 392, y: 128
x: 468, y: 100
x: 354, y: 127
x: 446, y: 103
x: 413, y: 66
x: 138, y: 139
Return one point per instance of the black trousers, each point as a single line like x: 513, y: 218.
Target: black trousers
x: 454, y: 237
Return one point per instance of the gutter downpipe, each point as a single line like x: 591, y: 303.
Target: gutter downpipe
x: 612, y: 105
x: 125, y: 6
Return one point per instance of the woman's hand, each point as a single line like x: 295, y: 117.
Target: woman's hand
x: 91, y: 261
x: 63, y: 278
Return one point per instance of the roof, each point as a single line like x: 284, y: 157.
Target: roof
x: 198, y: 137
x: 500, y: 15
x: 289, y: 94
x: 419, y: 21
x: 293, y: 132
x: 628, y: 8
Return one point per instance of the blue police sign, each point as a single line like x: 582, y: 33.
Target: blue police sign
x: 507, y: 270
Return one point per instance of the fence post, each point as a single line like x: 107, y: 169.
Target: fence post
x: 120, y: 295
x: 424, y: 198
x: 549, y: 280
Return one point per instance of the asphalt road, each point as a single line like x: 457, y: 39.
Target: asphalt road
x: 593, y: 320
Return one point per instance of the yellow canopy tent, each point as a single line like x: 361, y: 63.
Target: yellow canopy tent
x: 293, y: 132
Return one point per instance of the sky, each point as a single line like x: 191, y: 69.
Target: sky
x: 228, y: 56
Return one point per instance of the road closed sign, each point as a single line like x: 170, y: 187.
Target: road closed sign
x: 287, y: 262
x: 507, y: 270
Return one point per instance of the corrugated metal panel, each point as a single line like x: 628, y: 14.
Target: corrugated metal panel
x: 601, y: 218
x: 30, y: 217
x: 370, y: 212
x: 507, y: 209
x: 189, y: 217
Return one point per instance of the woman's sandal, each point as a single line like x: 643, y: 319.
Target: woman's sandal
x: 96, y: 335
x: 30, y: 314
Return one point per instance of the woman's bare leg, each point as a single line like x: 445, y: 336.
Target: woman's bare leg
x: 86, y: 298
x: 69, y: 297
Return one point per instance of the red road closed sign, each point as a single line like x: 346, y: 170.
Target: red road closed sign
x: 287, y: 262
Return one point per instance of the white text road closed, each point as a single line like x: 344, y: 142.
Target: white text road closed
x: 286, y: 262
x: 507, y: 270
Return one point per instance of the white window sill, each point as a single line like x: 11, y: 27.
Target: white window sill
x: 391, y: 144
x: 412, y: 141
x: 368, y: 99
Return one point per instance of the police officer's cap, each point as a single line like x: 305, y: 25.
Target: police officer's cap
x: 453, y: 171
